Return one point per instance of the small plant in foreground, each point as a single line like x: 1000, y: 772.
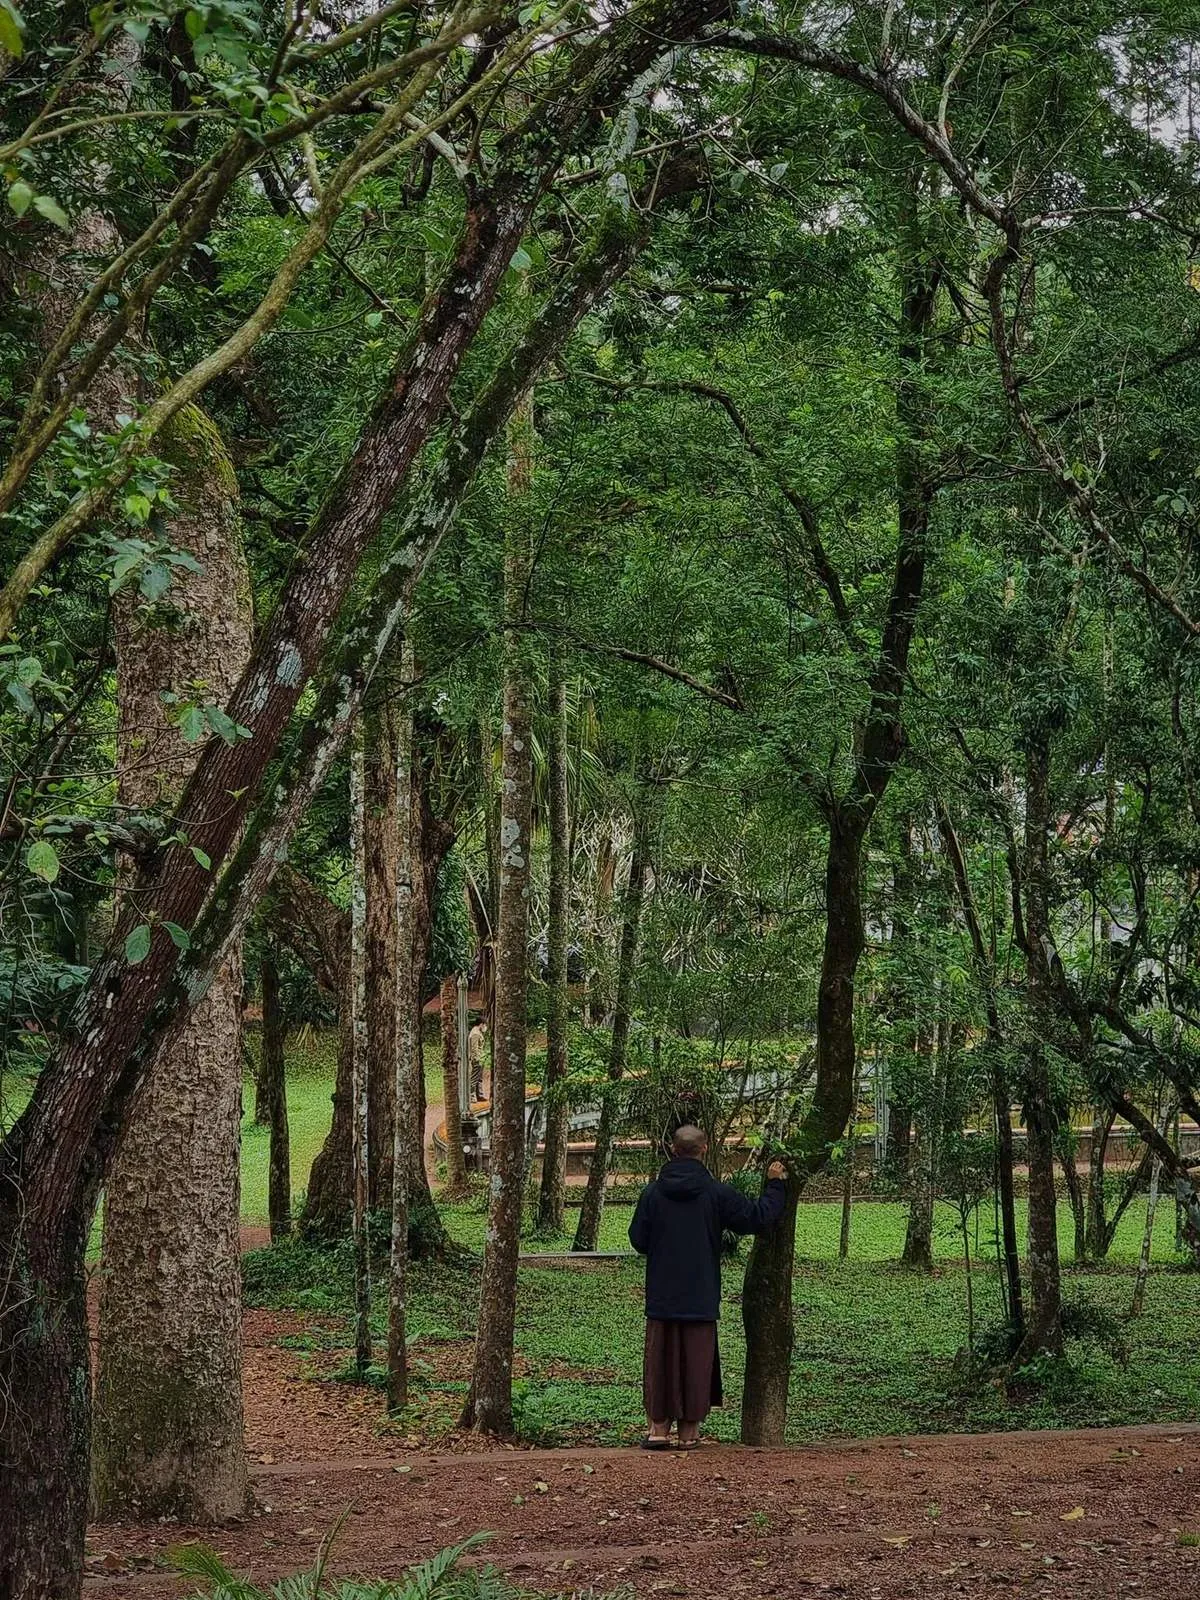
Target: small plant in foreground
x: 440, y: 1578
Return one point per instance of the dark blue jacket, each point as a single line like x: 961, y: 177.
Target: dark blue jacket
x: 677, y: 1226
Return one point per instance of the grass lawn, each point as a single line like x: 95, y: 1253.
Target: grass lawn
x: 876, y: 1345
x: 311, y: 1065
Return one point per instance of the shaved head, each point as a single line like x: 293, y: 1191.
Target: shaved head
x: 689, y: 1143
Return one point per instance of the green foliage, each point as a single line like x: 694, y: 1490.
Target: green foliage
x: 442, y: 1577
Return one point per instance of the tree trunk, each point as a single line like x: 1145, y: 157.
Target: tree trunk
x: 1096, y: 1232
x: 1001, y: 1093
x: 918, y: 1237
x: 381, y: 832
x: 456, y: 1166
x: 1075, y: 1195
x: 552, y: 1195
x: 406, y: 1007
x: 359, y: 1087
x: 55, y: 1157
x: 1143, y: 1266
x: 489, y: 1402
x: 767, y: 1290
x: 427, y: 1234
x: 587, y: 1232
x: 274, y: 1081
x: 848, y: 1177
x: 1044, y: 1331
x: 767, y: 1303
x: 168, y: 1427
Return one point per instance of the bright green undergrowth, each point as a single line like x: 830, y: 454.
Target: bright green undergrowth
x: 877, y: 1347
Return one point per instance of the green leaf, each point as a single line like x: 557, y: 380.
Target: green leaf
x: 29, y: 671
x: 137, y: 507
x: 22, y: 696
x: 137, y: 945
x: 20, y: 195
x: 46, y: 206
x: 204, y: 860
x: 42, y: 860
x: 192, y: 724
x: 155, y: 581
x: 221, y: 724
x: 521, y: 261
x: 180, y: 938
x: 12, y: 26
x: 373, y: 318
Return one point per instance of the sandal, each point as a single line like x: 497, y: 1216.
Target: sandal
x: 650, y: 1443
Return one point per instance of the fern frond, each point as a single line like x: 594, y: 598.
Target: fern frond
x: 428, y: 1581
x: 202, y: 1562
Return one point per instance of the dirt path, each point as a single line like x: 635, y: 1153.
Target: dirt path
x: 1091, y: 1514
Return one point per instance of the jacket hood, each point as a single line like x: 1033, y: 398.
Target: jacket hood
x: 684, y: 1180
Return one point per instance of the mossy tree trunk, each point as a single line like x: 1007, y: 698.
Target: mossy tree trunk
x: 168, y: 1430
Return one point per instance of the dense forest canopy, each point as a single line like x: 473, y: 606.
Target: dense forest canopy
x: 684, y: 516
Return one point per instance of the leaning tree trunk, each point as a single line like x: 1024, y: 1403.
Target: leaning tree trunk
x: 273, y: 1079
x: 587, y: 1232
x: 56, y: 1156
x: 168, y: 1430
x: 489, y: 1403
x: 552, y: 1194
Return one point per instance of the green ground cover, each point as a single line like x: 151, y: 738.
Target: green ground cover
x: 877, y: 1350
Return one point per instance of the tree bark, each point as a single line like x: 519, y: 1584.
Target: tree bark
x: 381, y: 830
x: 552, y: 1194
x: 587, y: 1233
x: 406, y: 1006
x: 456, y: 1166
x: 54, y: 1159
x: 359, y: 1085
x: 1044, y: 1331
x: 168, y: 1427
x: 767, y: 1290
x: 274, y: 1081
x: 427, y: 1234
x: 489, y: 1403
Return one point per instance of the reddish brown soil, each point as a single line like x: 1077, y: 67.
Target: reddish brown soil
x: 1089, y: 1515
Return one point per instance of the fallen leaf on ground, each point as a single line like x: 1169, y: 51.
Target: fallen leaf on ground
x: 1073, y: 1515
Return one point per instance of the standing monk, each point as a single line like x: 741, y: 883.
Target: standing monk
x: 677, y: 1226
